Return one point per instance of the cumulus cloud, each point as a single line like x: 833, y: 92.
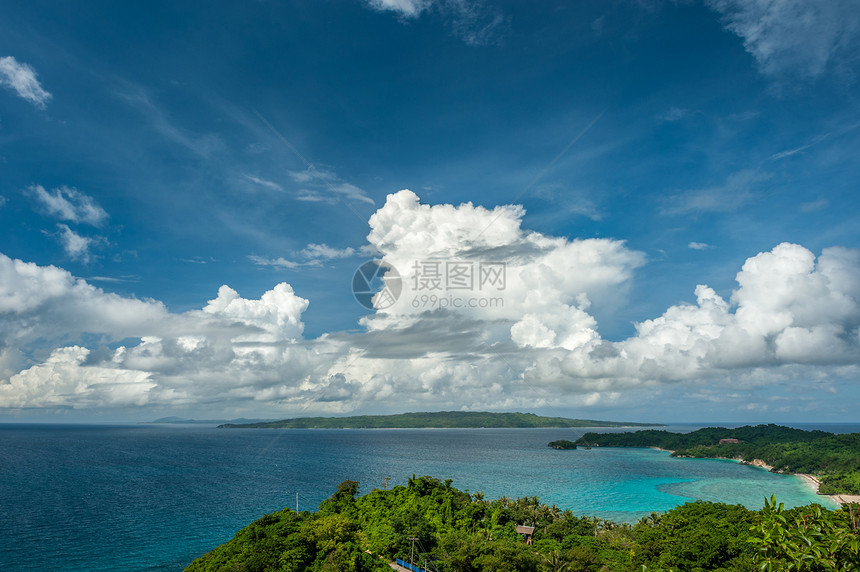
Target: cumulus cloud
x: 482, y: 253
x: 788, y: 309
x: 21, y: 78
x: 46, y: 302
x: 67, y: 203
x: 797, y: 37
x: 277, y: 314
x: 230, y: 345
x: 61, y: 381
x: 792, y: 317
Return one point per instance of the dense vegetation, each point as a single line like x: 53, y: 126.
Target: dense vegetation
x: 458, y: 532
x: 434, y: 420
x: 562, y: 444
x: 834, y: 459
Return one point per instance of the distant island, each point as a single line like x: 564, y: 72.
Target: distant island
x: 834, y: 460
x: 186, y: 421
x: 433, y: 420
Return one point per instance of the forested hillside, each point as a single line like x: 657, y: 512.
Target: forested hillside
x: 433, y: 420
x: 834, y: 459
x: 454, y: 531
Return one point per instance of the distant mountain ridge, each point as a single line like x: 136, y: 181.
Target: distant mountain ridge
x: 433, y: 420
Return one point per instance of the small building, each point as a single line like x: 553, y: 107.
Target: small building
x: 527, y: 531
x: 724, y: 441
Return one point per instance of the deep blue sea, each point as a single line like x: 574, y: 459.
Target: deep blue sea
x: 154, y: 497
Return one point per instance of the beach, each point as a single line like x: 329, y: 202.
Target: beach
x: 815, y: 484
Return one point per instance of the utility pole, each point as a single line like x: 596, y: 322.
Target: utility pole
x: 412, y: 555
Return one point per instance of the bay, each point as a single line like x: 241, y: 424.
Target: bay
x: 153, y: 497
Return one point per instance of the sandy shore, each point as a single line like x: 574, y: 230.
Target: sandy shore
x: 845, y: 499
x: 810, y: 480
x: 813, y: 482
x: 661, y: 449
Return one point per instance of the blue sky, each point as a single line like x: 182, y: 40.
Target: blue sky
x: 614, y: 156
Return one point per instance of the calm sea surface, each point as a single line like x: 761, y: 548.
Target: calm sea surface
x: 153, y: 497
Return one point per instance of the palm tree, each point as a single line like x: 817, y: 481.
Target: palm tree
x: 553, y: 562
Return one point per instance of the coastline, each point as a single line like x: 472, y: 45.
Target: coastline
x: 810, y: 480
x: 661, y: 449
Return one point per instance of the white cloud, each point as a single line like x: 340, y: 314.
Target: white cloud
x: 264, y: 183
x: 277, y: 314
x: 313, y: 255
x: 77, y: 247
x: 67, y: 203
x: 788, y: 309
x: 792, y: 318
x: 699, y: 245
x: 21, y: 78
x: 473, y: 21
x: 311, y: 197
x: 543, y: 274
x: 797, y: 37
x: 738, y: 190
x: 323, y: 180
x: 233, y: 348
x: 61, y: 382
x: 801, y: 149
x: 279, y: 262
x: 476, y: 23
x: 406, y: 8
x: 2, y: 200
x: 327, y: 252
x: 49, y: 303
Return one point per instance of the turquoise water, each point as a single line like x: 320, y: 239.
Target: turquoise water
x: 155, y: 497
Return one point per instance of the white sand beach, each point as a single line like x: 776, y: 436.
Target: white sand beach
x: 815, y: 484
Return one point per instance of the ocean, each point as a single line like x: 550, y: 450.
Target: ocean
x: 154, y: 497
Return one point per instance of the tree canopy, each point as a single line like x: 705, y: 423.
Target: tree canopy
x: 447, y: 530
